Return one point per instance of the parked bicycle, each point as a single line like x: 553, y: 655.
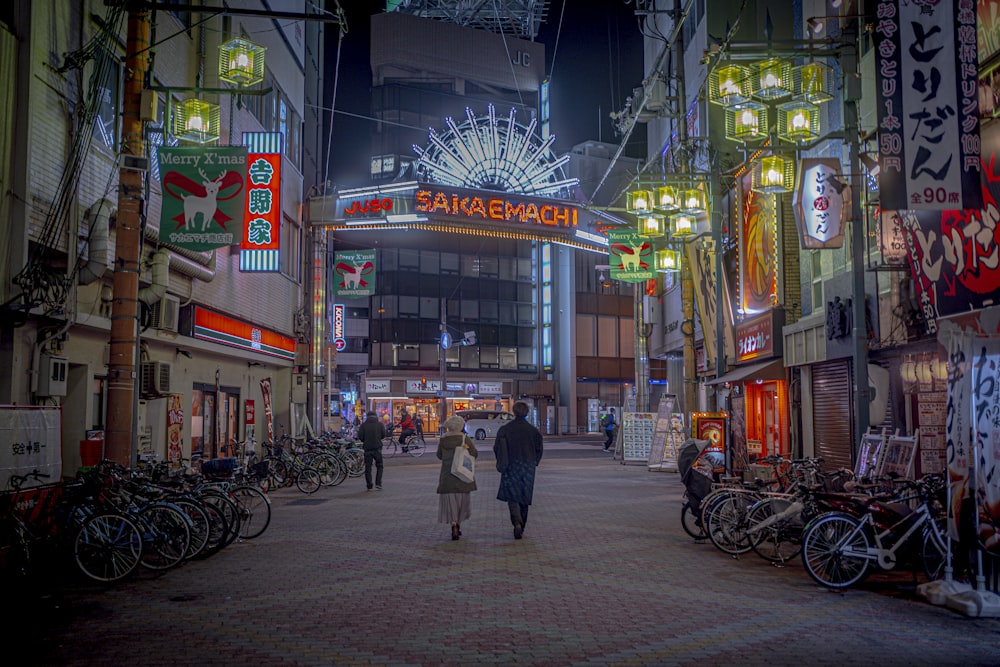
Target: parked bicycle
x: 839, y: 550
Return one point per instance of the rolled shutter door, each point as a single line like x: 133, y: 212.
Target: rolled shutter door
x: 831, y: 395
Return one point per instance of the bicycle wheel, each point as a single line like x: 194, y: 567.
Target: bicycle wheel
x: 726, y: 523
x: 255, y: 511
x: 691, y: 523
x: 934, y: 551
x: 218, y: 531
x: 308, y: 480
x: 354, y: 458
x: 835, y: 550
x: 389, y: 448
x: 166, y: 535
x: 330, y: 468
x: 774, y: 539
x: 415, y: 446
x: 107, y: 547
x: 230, y: 512
x: 200, y: 526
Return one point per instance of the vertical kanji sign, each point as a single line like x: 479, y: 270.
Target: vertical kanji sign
x: 928, y: 103
x: 262, y: 214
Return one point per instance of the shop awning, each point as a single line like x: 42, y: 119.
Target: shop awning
x: 773, y: 369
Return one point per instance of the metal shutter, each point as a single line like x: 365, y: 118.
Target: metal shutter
x: 832, y: 400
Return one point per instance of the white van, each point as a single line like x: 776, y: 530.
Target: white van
x: 482, y: 424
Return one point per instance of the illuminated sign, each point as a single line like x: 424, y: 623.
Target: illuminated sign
x: 377, y: 386
x: 490, y: 387
x: 225, y: 330
x: 262, y: 210
x: 338, y: 327
x: 472, y: 205
x: 755, y: 337
x: 260, y: 242
x: 422, y: 386
x: 369, y: 207
x: 818, y: 202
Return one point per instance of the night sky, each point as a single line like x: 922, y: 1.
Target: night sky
x: 597, y: 64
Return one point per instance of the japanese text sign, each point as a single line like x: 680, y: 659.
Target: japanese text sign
x: 928, y: 103
x: 262, y: 212
x: 630, y: 257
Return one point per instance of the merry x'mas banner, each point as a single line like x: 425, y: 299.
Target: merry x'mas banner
x: 630, y: 257
x: 203, y: 195
x: 955, y: 255
x: 356, y: 271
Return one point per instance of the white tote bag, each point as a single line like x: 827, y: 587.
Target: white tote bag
x: 463, y: 465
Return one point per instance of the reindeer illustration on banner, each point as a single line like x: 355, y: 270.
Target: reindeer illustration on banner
x: 356, y: 269
x: 630, y: 257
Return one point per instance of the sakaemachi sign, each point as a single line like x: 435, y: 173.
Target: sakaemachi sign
x: 484, y: 206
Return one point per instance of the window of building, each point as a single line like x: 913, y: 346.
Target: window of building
x: 409, y: 306
x: 276, y: 113
x: 586, y: 345
x: 291, y: 248
x: 409, y: 260
x: 449, y: 263
x: 607, y: 336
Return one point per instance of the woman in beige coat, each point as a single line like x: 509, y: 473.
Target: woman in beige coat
x: 455, y: 504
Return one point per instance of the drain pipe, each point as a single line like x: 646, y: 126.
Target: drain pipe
x: 98, y: 241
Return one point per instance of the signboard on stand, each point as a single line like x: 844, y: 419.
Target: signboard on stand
x: 711, y: 426
x: 637, y: 435
x: 668, y: 436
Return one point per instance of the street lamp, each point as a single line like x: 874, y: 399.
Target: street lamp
x: 651, y: 225
x: 666, y: 198
x: 729, y: 85
x: 746, y: 122
x: 667, y: 260
x: 639, y: 202
x: 798, y: 122
x: 682, y: 224
x: 241, y: 62
x: 773, y: 175
x: 774, y: 79
x: 196, y: 121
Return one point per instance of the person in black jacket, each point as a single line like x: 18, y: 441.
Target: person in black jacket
x: 518, y: 450
x: 370, y: 434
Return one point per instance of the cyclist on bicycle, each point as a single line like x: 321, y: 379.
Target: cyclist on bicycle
x: 407, y: 427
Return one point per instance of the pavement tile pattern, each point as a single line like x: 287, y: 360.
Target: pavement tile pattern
x: 604, y: 576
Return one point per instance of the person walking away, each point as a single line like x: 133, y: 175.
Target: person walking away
x: 370, y: 434
x: 454, y: 502
x: 406, y: 428
x: 418, y: 424
x: 518, y: 450
x: 608, y: 421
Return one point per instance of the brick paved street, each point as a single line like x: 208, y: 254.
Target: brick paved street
x: 603, y: 576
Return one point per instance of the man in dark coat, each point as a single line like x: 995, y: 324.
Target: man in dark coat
x: 370, y: 434
x: 518, y: 450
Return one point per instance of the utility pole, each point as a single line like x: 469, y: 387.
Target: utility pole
x: 122, y: 371
x: 443, y: 404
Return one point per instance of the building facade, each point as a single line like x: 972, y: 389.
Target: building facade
x: 210, y: 328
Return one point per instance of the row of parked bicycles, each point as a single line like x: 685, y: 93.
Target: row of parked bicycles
x: 309, y: 465
x: 842, y: 528
x: 111, y: 520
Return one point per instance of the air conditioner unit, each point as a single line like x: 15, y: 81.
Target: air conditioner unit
x: 155, y: 377
x: 165, y: 313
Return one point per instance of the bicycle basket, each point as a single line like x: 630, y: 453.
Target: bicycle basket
x: 219, y: 468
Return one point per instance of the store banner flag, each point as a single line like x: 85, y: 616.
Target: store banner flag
x: 928, y: 102
x: 355, y: 271
x: 630, y: 257
x: 204, y: 192
x: 957, y: 444
x: 175, y: 427
x: 985, y: 363
x: 265, y: 390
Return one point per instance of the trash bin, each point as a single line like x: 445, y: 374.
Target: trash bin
x: 91, y: 452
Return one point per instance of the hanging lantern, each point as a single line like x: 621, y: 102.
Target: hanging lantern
x: 639, y: 201
x: 728, y: 85
x: 813, y: 83
x: 196, y: 121
x: 667, y: 260
x: 773, y: 80
x: 666, y: 198
x: 746, y: 122
x: 773, y: 175
x: 650, y: 225
x: 241, y: 62
x: 682, y: 224
x: 798, y: 121
x: 693, y: 202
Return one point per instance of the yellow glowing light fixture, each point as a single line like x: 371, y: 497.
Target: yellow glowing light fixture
x: 651, y: 225
x: 773, y: 79
x: 666, y: 198
x: 639, y: 201
x: 798, y: 121
x: 746, y: 122
x: 729, y: 85
x: 241, y: 62
x: 196, y: 121
x: 682, y: 224
x: 813, y: 83
x: 694, y: 202
x: 773, y: 175
x: 667, y: 260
